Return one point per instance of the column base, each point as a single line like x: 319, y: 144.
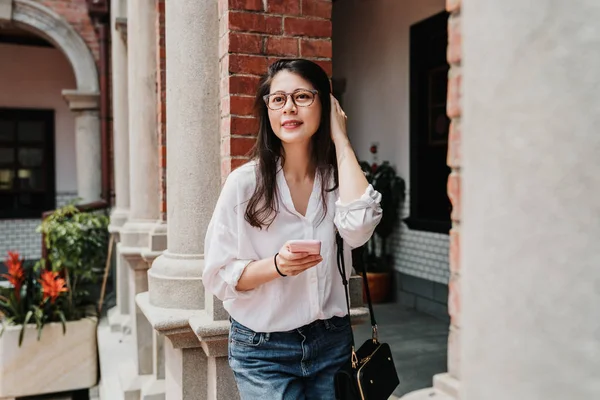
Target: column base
x: 118, y: 322
x: 154, y: 389
x: 121, y: 317
x: 131, y: 382
x: 118, y: 218
x: 447, y: 384
x: 141, y: 330
x: 445, y: 387
x: 187, y: 283
x: 426, y: 394
x: 134, y: 234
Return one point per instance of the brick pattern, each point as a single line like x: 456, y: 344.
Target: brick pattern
x: 161, y: 108
x: 454, y: 57
x: 19, y: 234
x: 75, y: 12
x: 253, y: 34
x: 419, y: 253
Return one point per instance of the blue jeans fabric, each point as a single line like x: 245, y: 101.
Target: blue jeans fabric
x: 294, y: 365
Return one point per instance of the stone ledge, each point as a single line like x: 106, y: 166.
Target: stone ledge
x: 81, y: 100
x: 133, y: 255
x: 149, y: 256
x: 359, y: 315
x: 213, y: 335
x: 447, y: 384
x: 426, y: 394
x: 171, y: 322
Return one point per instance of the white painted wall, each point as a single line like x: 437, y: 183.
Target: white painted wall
x: 33, y: 77
x: 371, y: 51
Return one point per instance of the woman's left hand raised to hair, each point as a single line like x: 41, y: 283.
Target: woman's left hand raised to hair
x: 338, y: 122
x: 351, y: 178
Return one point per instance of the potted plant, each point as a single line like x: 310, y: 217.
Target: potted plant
x: 48, y: 333
x: 376, y: 254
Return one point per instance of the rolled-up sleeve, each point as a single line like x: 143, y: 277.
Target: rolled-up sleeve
x: 223, y: 266
x: 357, y: 220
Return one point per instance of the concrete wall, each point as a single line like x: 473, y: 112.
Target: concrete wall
x: 530, y: 228
x: 33, y: 77
x: 371, y: 52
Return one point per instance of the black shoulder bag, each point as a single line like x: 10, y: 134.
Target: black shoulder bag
x: 369, y: 373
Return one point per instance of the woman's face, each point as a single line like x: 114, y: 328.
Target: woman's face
x: 293, y: 123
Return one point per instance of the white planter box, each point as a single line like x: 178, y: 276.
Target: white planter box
x: 55, y: 363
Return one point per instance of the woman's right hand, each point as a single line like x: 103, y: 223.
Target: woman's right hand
x: 292, y: 264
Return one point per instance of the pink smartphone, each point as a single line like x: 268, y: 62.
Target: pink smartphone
x: 305, y: 246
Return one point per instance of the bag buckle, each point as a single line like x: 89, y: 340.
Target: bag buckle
x: 374, y: 334
x: 354, y: 359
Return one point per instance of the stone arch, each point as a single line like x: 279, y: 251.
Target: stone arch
x: 83, y: 100
x: 38, y: 18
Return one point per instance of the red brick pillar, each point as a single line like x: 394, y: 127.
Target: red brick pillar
x: 454, y: 55
x: 161, y: 109
x: 253, y: 34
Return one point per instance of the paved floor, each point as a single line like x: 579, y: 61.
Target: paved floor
x: 418, y: 343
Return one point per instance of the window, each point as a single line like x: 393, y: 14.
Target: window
x: 27, y: 186
x: 429, y: 125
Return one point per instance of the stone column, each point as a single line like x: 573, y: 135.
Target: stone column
x: 530, y: 313
x: 120, y: 111
x: 176, y: 304
x: 118, y: 316
x: 87, y: 143
x: 144, y: 190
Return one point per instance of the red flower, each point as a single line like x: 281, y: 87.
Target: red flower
x: 374, y: 167
x: 373, y: 149
x: 16, y: 275
x: 52, y: 285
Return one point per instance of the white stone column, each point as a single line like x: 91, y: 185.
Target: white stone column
x: 144, y: 181
x: 196, y: 328
x: 118, y: 316
x: 87, y: 143
x: 120, y: 111
x: 531, y: 201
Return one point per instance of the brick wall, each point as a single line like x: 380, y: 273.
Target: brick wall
x: 454, y: 55
x: 253, y: 34
x: 75, y: 12
x: 161, y: 108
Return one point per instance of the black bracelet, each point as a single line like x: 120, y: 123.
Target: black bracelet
x: 276, y: 267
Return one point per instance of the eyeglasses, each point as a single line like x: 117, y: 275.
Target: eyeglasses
x: 300, y: 97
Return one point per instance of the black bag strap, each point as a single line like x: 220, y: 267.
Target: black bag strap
x: 342, y: 269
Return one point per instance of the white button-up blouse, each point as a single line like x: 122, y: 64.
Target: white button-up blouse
x: 290, y: 302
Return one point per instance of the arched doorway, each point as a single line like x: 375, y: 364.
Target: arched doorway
x: 43, y: 141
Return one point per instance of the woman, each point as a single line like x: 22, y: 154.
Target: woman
x: 290, y: 330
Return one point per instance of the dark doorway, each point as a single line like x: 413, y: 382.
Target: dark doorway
x: 429, y: 125
x: 27, y: 170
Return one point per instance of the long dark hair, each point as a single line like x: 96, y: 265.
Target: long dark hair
x: 263, y: 205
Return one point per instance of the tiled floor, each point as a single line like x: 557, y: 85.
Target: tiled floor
x: 418, y: 343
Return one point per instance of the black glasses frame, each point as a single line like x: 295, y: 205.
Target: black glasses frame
x: 266, y: 98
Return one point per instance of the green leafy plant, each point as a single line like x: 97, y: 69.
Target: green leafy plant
x: 376, y: 254
x: 77, y: 243
x: 57, y: 290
